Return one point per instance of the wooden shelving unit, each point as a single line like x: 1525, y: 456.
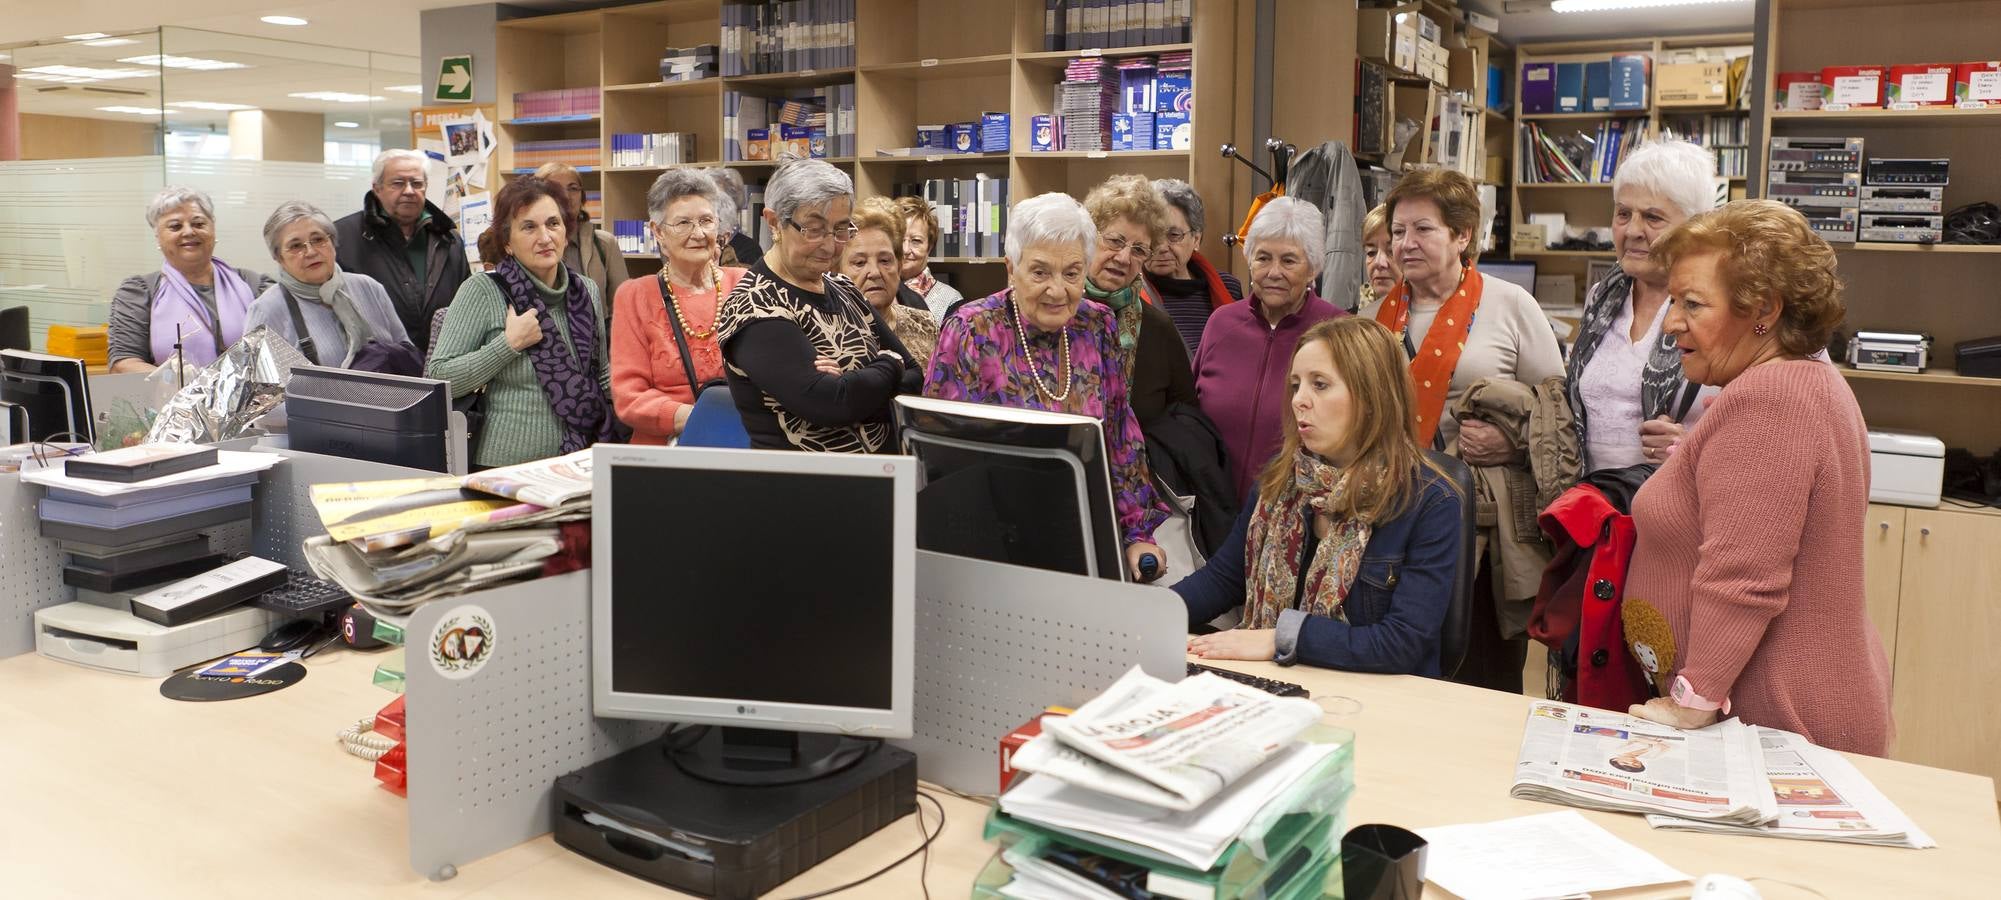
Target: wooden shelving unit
x: 917, y: 62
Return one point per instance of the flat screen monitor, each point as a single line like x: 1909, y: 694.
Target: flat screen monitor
x: 1520, y: 274
x: 755, y: 590
x: 1017, y: 486
x: 392, y: 419
x: 53, y: 390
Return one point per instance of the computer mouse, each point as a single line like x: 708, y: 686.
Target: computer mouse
x: 1718, y: 886
x: 290, y: 636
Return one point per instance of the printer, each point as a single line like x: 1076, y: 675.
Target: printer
x: 1905, y: 468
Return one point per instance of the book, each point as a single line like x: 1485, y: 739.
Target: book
x: 140, y: 463
x: 210, y: 592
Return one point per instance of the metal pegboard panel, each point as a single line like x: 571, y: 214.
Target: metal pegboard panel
x: 283, y: 515
x: 998, y: 643
x: 487, y: 747
x: 31, y: 566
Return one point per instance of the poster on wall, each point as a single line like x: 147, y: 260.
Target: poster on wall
x: 475, y: 214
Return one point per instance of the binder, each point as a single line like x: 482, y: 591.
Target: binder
x: 1569, y: 87
x: 1629, y: 81
x: 1538, y: 88
x: 1598, y: 86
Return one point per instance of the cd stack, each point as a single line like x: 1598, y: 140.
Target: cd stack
x: 1086, y: 101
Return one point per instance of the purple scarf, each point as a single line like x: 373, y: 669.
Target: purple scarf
x: 177, y: 304
x: 568, y: 372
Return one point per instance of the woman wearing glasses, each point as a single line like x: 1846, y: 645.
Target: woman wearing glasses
x: 656, y: 320
x: 810, y: 368
x: 1189, y: 286
x: 591, y: 250
x: 331, y: 315
x: 1038, y: 345
x: 1130, y: 218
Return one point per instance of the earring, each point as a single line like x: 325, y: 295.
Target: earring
x: 1760, y: 329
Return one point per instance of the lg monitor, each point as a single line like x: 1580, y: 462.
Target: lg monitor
x: 1017, y: 486
x: 393, y: 419
x: 769, y: 593
x: 54, y: 391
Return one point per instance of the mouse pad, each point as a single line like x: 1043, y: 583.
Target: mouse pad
x: 187, y: 686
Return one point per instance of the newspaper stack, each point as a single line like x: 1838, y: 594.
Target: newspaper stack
x: 1579, y: 756
x: 1821, y: 797
x: 1170, y: 784
x: 398, y: 544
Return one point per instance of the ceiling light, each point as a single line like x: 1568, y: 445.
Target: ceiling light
x: 59, y: 79
x: 282, y: 20
x: 89, y: 73
x: 134, y: 110
x: 347, y: 124
x: 86, y: 36
x: 1571, y: 6
x: 337, y: 97
x: 184, y: 62
x: 110, y: 42
x: 406, y: 88
x: 209, y: 104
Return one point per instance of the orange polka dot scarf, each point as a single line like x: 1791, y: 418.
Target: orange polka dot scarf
x: 1432, y: 369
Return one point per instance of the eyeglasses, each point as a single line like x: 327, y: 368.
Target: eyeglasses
x: 681, y: 227
x: 574, y: 190
x: 400, y: 185
x: 841, y: 233
x: 317, y: 243
x: 1176, y: 235
x: 1120, y: 245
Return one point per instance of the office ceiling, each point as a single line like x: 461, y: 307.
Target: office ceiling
x: 1531, y: 21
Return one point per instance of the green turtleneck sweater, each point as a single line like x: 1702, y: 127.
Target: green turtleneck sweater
x: 472, y: 351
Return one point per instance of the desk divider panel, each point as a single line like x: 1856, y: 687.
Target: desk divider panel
x: 29, y: 563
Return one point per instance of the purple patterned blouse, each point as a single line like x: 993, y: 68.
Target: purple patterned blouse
x: 979, y: 360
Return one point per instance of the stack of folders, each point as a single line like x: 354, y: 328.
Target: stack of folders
x: 1159, y: 789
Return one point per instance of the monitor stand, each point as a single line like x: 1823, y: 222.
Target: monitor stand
x: 758, y: 756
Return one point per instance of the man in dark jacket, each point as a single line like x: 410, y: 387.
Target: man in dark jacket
x: 401, y: 240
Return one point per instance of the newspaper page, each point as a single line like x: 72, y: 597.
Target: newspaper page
x: 1821, y: 797
x: 543, y: 482
x: 1176, y: 745
x: 380, y: 515
x: 1593, y: 758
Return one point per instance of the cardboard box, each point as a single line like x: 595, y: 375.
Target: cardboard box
x: 995, y: 132
x: 1692, y: 84
x: 1041, y: 133
x: 1013, y: 741
x: 963, y: 137
x: 1852, y: 87
x: 1172, y: 131
x: 757, y: 144
x: 1798, y: 90
x: 1529, y: 238
x: 1122, y: 131
x: 1928, y: 84
x: 793, y: 140
x: 1977, y: 84
x: 1427, y: 27
x: 1538, y: 88
x: 1380, y: 36
x: 1433, y: 62
x: 933, y: 137
x: 1175, y: 93
x: 816, y: 142
x: 1630, y: 72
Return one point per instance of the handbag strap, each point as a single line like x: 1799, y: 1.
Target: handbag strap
x: 680, y: 338
x: 1689, y: 391
x: 306, y: 345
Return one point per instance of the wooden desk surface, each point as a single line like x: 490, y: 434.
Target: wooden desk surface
x: 108, y: 789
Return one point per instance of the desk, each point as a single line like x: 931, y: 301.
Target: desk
x: 85, y: 810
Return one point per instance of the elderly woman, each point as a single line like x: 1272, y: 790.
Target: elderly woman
x: 591, y: 251
x: 1038, y: 344
x: 202, y: 299
x: 663, y: 331
x: 1745, y: 591
x: 1379, y: 264
x: 1625, y: 385
x: 1246, y: 353
x: 735, y: 247
x: 329, y: 314
x: 920, y: 238
x: 874, y: 262
x: 1346, y: 555
x: 1189, y: 287
x: 809, y: 366
x: 1130, y: 218
x: 532, y: 334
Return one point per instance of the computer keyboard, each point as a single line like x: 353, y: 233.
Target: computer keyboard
x: 304, y: 594
x: 1268, y: 685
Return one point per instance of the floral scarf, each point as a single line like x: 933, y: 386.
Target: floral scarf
x: 1278, y: 536
x: 567, y: 371
x: 1125, y: 307
x: 922, y: 282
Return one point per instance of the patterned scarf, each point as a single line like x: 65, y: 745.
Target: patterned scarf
x: 922, y: 282
x: 1278, y: 536
x: 1435, y: 362
x: 568, y: 372
x: 1661, y: 381
x: 1125, y: 307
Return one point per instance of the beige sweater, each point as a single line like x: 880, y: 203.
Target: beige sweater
x: 1511, y: 338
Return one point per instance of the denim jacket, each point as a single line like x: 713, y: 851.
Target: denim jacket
x: 1396, y: 609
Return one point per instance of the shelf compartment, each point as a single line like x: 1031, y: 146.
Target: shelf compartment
x: 657, y: 88
x: 961, y: 67
x: 1934, y: 376
x: 1940, y: 115
x: 805, y: 78
x: 1057, y: 59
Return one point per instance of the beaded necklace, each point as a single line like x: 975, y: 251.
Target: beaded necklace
x: 715, y: 283
x: 1063, y: 340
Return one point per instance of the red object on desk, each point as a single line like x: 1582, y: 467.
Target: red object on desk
x: 1021, y: 735
x: 389, y: 722
x: 392, y: 768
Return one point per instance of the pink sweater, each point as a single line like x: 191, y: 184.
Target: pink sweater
x: 1750, y: 553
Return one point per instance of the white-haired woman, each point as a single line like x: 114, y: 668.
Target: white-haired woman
x: 592, y: 250
x: 1038, y: 344
x: 201, y: 299
x: 329, y: 314
x: 809, y: 366
x: 1246, y: 353
x: 1190, y: 288
x: 654, y: 320
x: 742, y: 247
x: 1626, y: 386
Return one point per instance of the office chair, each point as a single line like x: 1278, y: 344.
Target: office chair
x: 714, y: 422
x: 1458, y: 628
x: 14, y: 328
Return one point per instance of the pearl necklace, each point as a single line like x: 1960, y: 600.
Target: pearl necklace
x: 716, y: 283
x: 1063, y: 338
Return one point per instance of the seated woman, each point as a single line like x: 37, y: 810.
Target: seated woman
x: 203, y: 299
x: 1745, y: 593
x: 920, y: 238
x: 872, y: 262
x: 340, y: 312
x: 653, y: 319
x: 532, y: 334
x: 1346, y: 555
x: 810, y: 368
x: 1038, y: 344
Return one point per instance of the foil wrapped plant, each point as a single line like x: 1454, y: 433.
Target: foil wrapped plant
x: 225, y: 398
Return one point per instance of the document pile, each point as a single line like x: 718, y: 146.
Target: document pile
x: 1204, y: 788
x: 397, y: 544
x: 1729, y: 777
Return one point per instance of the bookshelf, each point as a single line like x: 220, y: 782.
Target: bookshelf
x: 1484, y: 145
x: 915, y: 62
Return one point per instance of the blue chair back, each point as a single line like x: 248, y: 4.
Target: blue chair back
x: 714, y: 422
x: 1459, y: 612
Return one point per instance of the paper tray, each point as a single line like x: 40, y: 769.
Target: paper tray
x: 1316, y: 872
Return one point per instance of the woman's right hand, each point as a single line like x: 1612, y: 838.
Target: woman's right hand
x: 681, y: 417
x: 524, y: 329
x: 826, y: 366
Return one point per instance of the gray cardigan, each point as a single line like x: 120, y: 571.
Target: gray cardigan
x: 370, y: 300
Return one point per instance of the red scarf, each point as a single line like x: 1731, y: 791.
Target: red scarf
x: 1219, y: 293
x: 1439, y: 356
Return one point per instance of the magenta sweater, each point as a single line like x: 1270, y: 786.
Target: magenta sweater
x: 1750, y: 552
x: 1240, y: 372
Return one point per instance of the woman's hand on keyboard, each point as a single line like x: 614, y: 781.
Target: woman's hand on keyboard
x: 1238, y: 643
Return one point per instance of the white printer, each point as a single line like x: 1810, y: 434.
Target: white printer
x: 1905, y: 468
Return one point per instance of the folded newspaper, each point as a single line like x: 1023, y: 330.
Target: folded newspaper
x: 385, y: 515
x: 1821, y: 797
x: 398, y: 581
x: 1171, y: 745
x: 1579, y: 756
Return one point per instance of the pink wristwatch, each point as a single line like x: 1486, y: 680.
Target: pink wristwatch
x: 1683, y: 694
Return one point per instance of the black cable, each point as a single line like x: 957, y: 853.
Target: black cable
x: 924, y: 848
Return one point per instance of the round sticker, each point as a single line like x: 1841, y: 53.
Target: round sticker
x: 461, y: 642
